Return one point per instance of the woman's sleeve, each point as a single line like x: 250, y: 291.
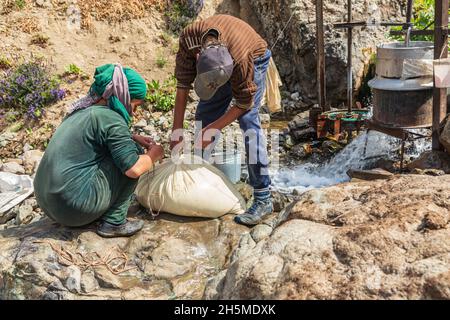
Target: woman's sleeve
x: 116, y: 138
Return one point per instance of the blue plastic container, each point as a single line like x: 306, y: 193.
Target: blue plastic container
x: 229, y: 163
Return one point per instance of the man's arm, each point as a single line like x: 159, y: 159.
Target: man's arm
x: 231, y: 115
x: 180, y: 107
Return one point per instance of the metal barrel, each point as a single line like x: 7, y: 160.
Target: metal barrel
x: 401, y: 98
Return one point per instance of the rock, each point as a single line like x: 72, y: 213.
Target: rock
x: 246, y: 243
x: 260, y: 232
x: 432, y: 160
x: 444, y: 137
x: 377, y: 252
x: 73, y: 281
x: 245, y: 190
x: 373, y: 174
x: 295, y: 51
x: 171, y: 257
x: 44, y: 3
x: 31, y: 202
x: 9, y: 215
x: 304, y: 134
x: 140, y: 124
x: 331, y: 147
x: 13, y: 167
x: 430, y: 172
x: 31, y: 160
x: 288, y: 141
x: 280, y: 201
x: 24, y: 215
x: 300, y: 151
x: 214, y: 286
x: 434, y: 221
x: 18, y: 161
x: 27, y: 147
x: 149, y: 129
x: 295, y: 96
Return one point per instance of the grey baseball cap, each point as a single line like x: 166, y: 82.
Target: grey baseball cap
x: 214, y: 69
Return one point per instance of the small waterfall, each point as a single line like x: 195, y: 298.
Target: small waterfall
x: 362, y: 152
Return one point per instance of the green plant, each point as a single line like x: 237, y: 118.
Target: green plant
x: 178, y: 16
x: 29, y: 88
x: 162, y: 96
x: 423, y: 18
x: 174, y: 48
x: 5, y: 63
x: 161, y: 60
x: 165, y: 38
x: 73, y: 69
x: 20, y: 4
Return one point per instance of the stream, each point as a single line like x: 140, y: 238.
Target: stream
x: 361, y: 153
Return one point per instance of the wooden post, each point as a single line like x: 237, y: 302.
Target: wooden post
x: 440, y: 51
x: 349, y: 58
x: 321, y: 80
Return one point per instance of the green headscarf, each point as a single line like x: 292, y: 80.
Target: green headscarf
x: 137, y: 88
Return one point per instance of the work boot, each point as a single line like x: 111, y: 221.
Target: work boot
x: 256, y: 213
x: 126, y: 229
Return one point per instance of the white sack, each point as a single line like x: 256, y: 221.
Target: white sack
x: 194, y: 190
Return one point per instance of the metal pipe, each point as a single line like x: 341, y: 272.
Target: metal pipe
x: 440, y: 52
x: 321, y: 80
x: 409, y: 8
x: 349, y: 58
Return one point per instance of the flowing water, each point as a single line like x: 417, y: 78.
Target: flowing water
x: 361, y: 153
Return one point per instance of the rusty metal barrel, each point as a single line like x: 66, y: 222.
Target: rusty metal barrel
x: 403, y: 86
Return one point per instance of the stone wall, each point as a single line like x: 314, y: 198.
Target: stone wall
x: 295, y: 51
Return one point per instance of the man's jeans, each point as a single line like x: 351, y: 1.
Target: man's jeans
x: 255, y: 141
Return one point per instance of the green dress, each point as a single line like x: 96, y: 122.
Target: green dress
x: 81, y: 177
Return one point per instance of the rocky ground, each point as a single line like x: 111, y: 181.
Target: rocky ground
x: 386, y: 239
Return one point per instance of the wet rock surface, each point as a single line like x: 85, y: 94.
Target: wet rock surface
x: 171, y: 257
x: 384, y: 239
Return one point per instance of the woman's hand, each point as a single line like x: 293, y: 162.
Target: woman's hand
x: 145, y: 142
x: 156, y: 153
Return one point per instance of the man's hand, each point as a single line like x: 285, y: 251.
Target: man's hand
x: 205, y: 138
x: 176, y: 138
x: 145, y: 142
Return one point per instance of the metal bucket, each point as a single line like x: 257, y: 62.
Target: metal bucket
x: 391, y: 56
x: 229, y: 163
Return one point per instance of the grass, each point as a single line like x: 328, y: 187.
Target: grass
x: 20, y: 4
x: 174, y: 48
x: 5, y: 63
x: 166, y: 39
x: 161, y: 60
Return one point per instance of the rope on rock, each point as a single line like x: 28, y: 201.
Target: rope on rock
x: 115, y: 261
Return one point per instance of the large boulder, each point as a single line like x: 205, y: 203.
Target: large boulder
x: 384, y: 239
x: 170, y: 258
x: 432, y: 160
x: 295, y: 48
